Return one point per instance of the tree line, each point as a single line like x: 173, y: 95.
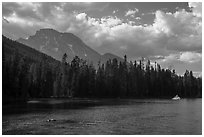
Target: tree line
x: 24, y: 78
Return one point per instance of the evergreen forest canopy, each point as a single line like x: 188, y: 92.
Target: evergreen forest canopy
x: 27, y: 73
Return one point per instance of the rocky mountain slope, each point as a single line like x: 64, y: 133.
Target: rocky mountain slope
x: 55, y: 44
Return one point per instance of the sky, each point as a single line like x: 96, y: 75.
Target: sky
x: 169, y: 33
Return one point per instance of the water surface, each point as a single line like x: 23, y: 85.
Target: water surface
x: 105, y: 116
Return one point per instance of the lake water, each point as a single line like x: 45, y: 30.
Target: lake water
x: 106, y: 116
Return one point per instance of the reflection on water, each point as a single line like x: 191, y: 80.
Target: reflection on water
x: 119, y: 116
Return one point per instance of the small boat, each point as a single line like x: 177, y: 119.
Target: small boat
x: 176, y: 98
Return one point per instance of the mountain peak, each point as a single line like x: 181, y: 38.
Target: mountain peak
x: 52, y: 32
x: 55, y: 44
x: 46, y: 31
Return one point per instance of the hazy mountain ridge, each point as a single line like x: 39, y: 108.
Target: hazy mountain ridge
x: 55, y: 44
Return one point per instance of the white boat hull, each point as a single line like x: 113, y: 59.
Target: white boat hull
x: 176, y: 98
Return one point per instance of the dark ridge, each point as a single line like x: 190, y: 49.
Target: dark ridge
x: 10, y: 46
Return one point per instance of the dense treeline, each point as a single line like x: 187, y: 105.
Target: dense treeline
x: 25, y: 77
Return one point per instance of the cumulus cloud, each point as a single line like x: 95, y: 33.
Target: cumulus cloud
x: 196, y: 8
x: 182, y: 61
x: 190, y: 57
x: 131, y: 13
x: 138, y: 18
x: 184, y: 30
x: 180, y: 31
x: 186, y: 57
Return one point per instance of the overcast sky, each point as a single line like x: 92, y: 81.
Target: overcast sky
x: 169, y: 33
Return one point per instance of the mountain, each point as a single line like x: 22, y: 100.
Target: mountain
x: 9, y: 47
x: 108, y: 56
x: 55, y: 44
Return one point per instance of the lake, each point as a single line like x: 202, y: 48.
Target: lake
x: 104, y: 116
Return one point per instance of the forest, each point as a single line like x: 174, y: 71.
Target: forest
x: 26, y: 76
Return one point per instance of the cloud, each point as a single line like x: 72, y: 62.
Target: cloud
x: 179, y: 31
x: 197, y: 73
x: 185, y: 57
x: 23, y: 10
x: 182, y: 28
x: 148, y: 13
x: 115, y: 11
x: 173, y: 38
x: 182, y: 61
x: 196, y: 8
x: 131, y: 12
x: 9, y: 8
x: 138, y: 18
x: 190, y: 57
